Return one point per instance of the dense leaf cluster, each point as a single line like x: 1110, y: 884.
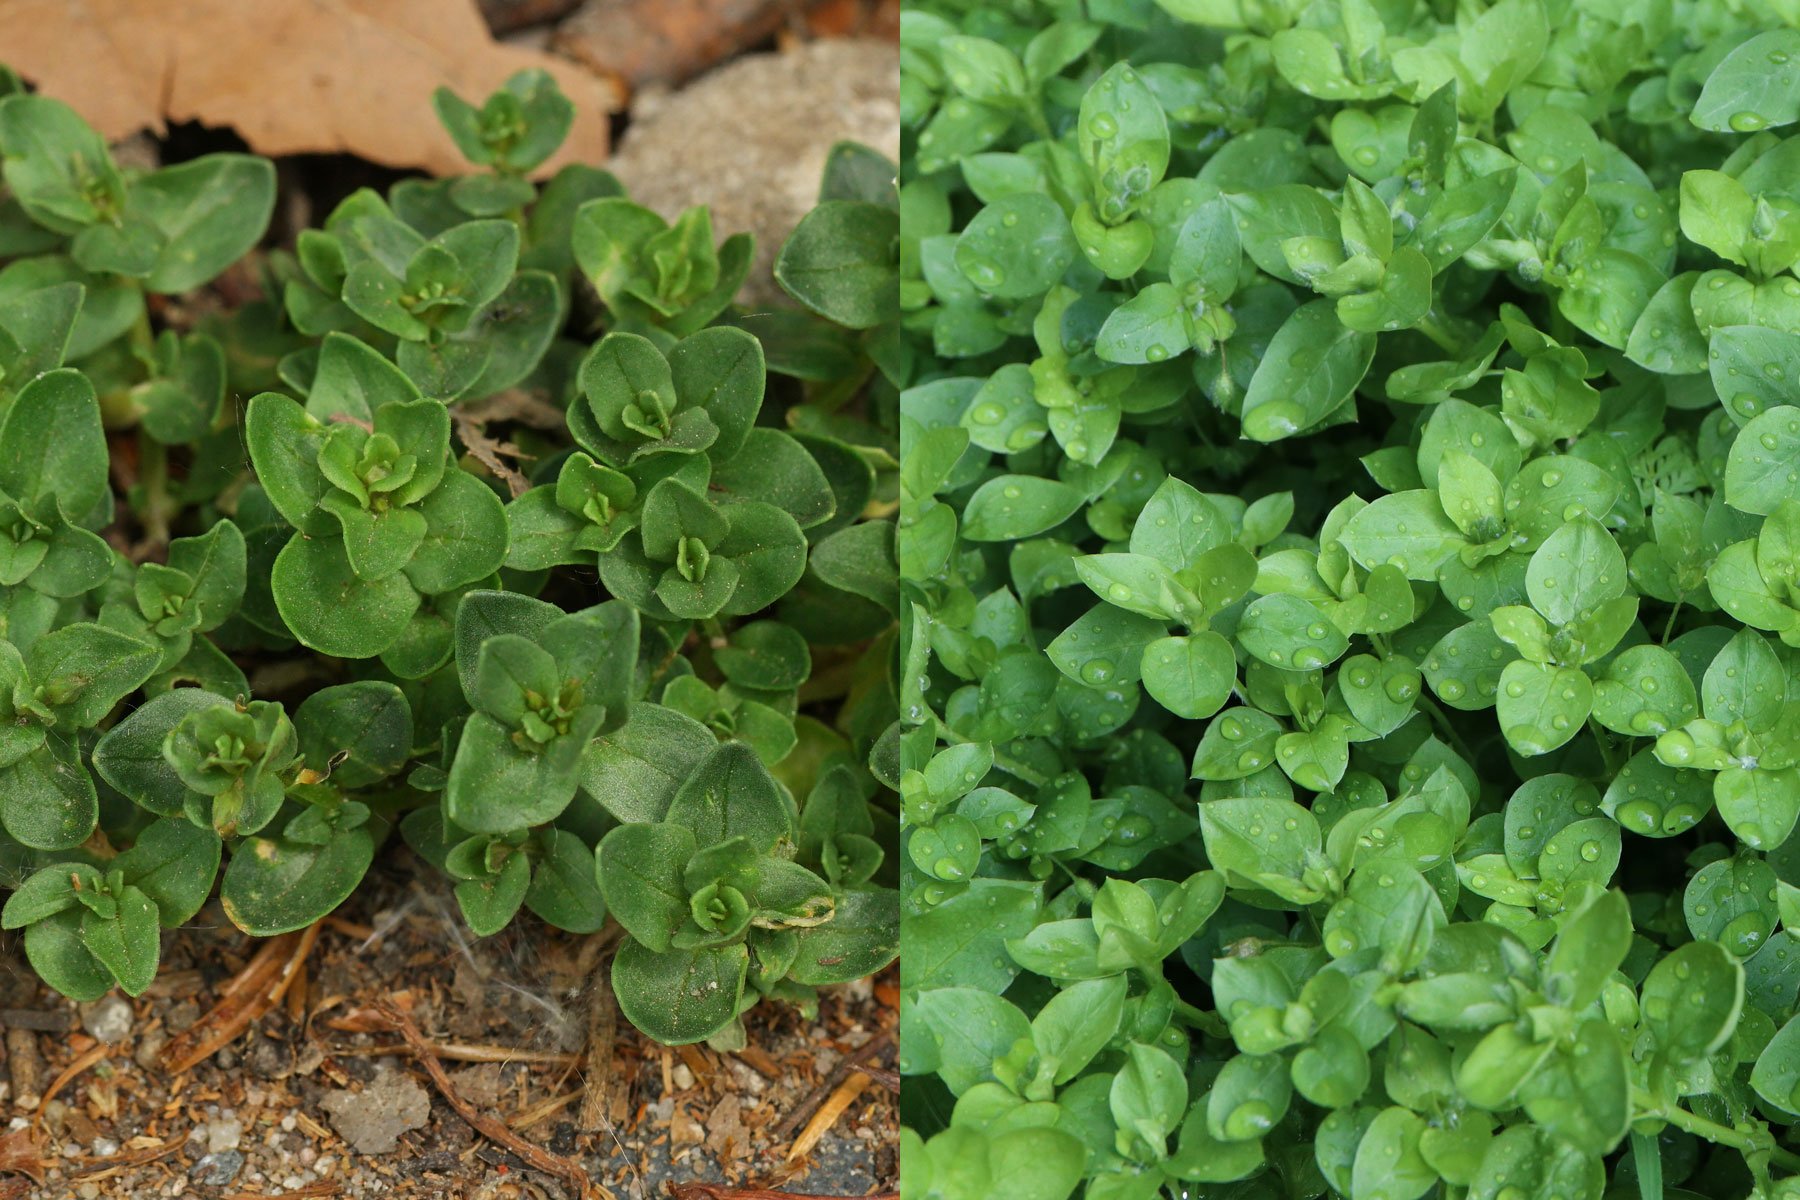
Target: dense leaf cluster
x: 653, y: 679
x: 1351, y: 551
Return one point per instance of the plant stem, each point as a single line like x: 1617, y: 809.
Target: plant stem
x: 153, y: 477
x: 1712, y: 1131
x: 1669, y: 627
x: 1442, y: 720
x: 1432, y: 326
x: 1604, y: 740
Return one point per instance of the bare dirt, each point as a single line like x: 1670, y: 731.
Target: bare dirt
x: 317, y: 1097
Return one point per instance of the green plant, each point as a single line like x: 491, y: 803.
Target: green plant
x: 431, y: 654
x: 1349, y: 525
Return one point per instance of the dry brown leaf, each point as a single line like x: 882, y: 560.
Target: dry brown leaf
x: 290, y: 76
x: 22, y: 1152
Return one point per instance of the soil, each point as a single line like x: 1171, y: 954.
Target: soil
x: 317, y: 1098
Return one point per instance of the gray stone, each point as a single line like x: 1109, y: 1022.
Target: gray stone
x: 749, y: 140
x: 372, y: 1120
x: 217, y: 1170
x: 108, y: 1019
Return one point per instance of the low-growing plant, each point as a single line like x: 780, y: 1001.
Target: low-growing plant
x: 1350, y: 533
x: 274, y: 592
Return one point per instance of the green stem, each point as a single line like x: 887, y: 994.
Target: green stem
x: 1442, y: 720
x: 1669, y: 627
x: 1607, y: 751
x: 1646, y: 1155
x: 1432, y: 326
x: 1712, y: 1131
x: 156, y: 506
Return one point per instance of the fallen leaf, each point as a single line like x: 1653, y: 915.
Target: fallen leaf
x: 21, y: 1152
x: 290, y: 76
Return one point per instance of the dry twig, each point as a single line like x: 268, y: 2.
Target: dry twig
x: 827, y: 1086
x: 535, y: 1157
x: 255, y: 990
x: 104, y: 1168
x: 92, y: 1055
x: 602, y: 1032
x: 25, y: 1066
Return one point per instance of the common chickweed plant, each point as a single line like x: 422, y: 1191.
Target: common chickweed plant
x: 1351, y: 553
x: 652, y: 680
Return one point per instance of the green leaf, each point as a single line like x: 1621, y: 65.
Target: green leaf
x: 1264, y: 842
x: 1691, y: 1000
x: 51, y: 444
x: 862, y: 937
x: 1148, y: 1095
x: 842, y: 262
x: 1760, y: 471
x: 681, y: 996
x: 1577, y: 569
x: 1191, y: 676
x: 174, y: 863
x: 1407, y: 530
x: 126, y: 943
x: 1011, y: 507
x: 1542, y: 706
x: 210, y: 211
x: 1748, y: 90
x: 1645, y: 692
x: 731, y: 794
x: 273, y: 886
x: 639, y: 868
x: 355, y: 733
x: 1017, y: 246
x: 1312, y: 366
x: 332, y: 609
x: 1388, y: 1165
x: 83, y: 670
x: 1290, y: 633
x: 1776, y: 1075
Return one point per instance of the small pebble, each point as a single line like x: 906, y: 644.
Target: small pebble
x: 108, y: 1019
x: 148, y: 1047
x: 684, y: 1078
x: 226, y: 1133
x: 218, y: 1168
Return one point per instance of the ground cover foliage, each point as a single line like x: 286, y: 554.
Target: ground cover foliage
x: 1351, y: 561
x: 542, y: 555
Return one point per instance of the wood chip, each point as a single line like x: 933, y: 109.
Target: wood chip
x: 57, y: 1021
x: 25, y: 1065
x: 827, y: 1116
